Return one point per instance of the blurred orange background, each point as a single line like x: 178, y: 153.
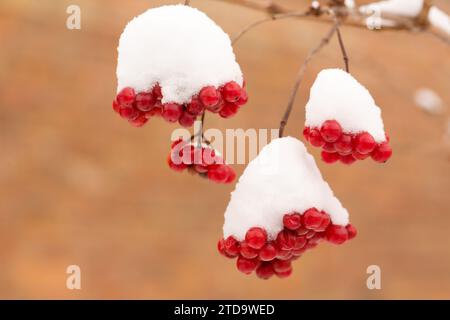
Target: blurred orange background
x: 80, y: 186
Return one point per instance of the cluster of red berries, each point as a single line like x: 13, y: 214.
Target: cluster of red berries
x: 346, y: 147
x: 201, y: 160
x: 139, y: 108
x: 300, y: 233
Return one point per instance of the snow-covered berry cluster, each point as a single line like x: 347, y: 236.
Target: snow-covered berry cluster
x: 343, y: 119
x: 201, y: 160
x: 176, y: 63
x: 300, y: 233
x: 346, y: 147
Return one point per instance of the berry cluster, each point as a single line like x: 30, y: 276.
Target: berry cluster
x: 138, y: 108
x: 346, y: 147
x: 201, y: 160
x: 300, y: 233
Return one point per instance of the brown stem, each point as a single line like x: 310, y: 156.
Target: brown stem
x: 199, y: 134
x: 271, y: 18
x: 344, y: 52
x: 300, y: 75
x: 187, y: 2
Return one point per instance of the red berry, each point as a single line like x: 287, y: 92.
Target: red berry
x: 265, y: 270
x: 292, y: 221
x: 116, y: 106
x: 300, y: 242
x: 145, y: 101
x: 347, y: 159
x: 176, y: 143
x: 286, y: 240
x: 218, y: 173
x: 281, y: 265
x: 328, y: 157
x: 312, y: 219
x: 359, y: 156
x: 157, y: 93
x: 315, y: 138
x: 301, y: 231
x: 284, y: 274
x: 139, y: 121
x: 344, y: 144
x: 284, y: 254
x: 306, y: 132
x: 336, y: 234
x: 246, y: 266
x: 126, y: 97
x: 331, y: 130
x: 155, y: 112
x: 231, y: 175
x: 228, y: 110
x: 325, y: 222
x: 221, y: 247
x: 175, y: 166
x: 231, y: 246
x: 364, y: 143
x: 329, y: 147
x: 128, y: 113
x: 256, y: 237
x: 351, y: 231
x: 268, y: 252
x: 248, y: 252
x: 243, y: 98
x: 231, y: 91
x: 200, y: 169
x: 195, y: 107
x: 172, y: 112
x: 187, y: 119
x: 209, y: 96
x: 382, y: 152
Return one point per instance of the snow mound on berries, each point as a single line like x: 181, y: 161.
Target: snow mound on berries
x: 282, y: 179
x: 178, y: 47
x: 336, y: 95
x: 406, y: 8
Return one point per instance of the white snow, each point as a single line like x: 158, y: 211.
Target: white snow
x: 336, y: 95
x: 180, y: 48
x: 283, y: 178
x: 428, y: 100
x: 439, y: 19
x: 405, y: 8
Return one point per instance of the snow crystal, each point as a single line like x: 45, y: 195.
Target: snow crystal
x: 405, y: 8
x: 282, y: 179
x: 429, y: 101
x: 439, y: 19
x: 180, y: 48
x: 336, y: 95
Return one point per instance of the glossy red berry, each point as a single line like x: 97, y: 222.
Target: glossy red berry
x: 331, y: 130
x: 265, y: 270
x: 231, y: 91
x: 157, y: 92
x: 139, y: 121
x: 116, y: 106
x: 246, y: 266
x: 284, y: 254
x: 145, y: 101
x: 125, y: 98
x: 248, y: 252
x: 326, y: 220
x: 268, y: 252
x: 328, y: 157
x: 281, y: 265
x: 175, y: 165
x: 243, y: 98
x: 155, y: 112
x: 284, y: 274
x: 186, y: 119
x: 218, y: 173
x: 300, y: 242
x: 209, y: 96
x: 286, y: 240
x: 347, y: 159
x: 256, y: 237
x: 228, y: 110
x: 231, y: 246
x: 129, y: 113
x: 360, y: 156
x: 351, y: 231
x: 344, y: 145
x: 364, y: 143
x: 292, y: 221
x: 329, y: 147
x: 336, y: 234
x: 172, y: 112
x: 315, y: 138
x: 195, y: 107
x: 306, y: 132
x: 312, y: 219
x: 382, y: 152
x: 231, y: 175
x: 221, y: 248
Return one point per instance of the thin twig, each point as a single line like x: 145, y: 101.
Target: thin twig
x: 199, y: 134
x: 186, y: 2
x: 325, y: 40
x: 344, y: 52
x: 272, y: 18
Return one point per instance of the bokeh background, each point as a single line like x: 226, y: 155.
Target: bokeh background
x: 80, y: 186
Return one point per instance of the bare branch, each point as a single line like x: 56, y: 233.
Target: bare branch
x: 344, y: 52
x: 324, y: 41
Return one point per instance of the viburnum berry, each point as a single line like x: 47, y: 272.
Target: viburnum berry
x: 256, y: 237
x: 243, y: 99
x: 360, y: 156
x: 292, y: 221
x: 344, y: 145
x: 315, y: 138
x: 336, y: 234
x: 347, y: 159
x: 145, y: 101
x: 382, y: 152
x: 268, y: 252
x: 351, y: 230
x: 157, y: 92
x: 306, y: 132
x: 209, y: 97
x: 156, y: 111
x: 176, y: 166
x: 186, y: 119
x: 284, y: 274
x: 312, y: 218
x: 139, y: 121
x: 331, y: 130
x: 329, y: 147
x: 248, y: 252
x: 299, y: 242
x: 246, y: 266
x: 231, y: 246
x: 329, y: 157
x: 128, y: 113
x: 195, y: 107
x: 281, y: 265
x: 218, y: 173
x: 172, y: 112
x: 228, y: 110
x: 286, y: 240
x: 265, y: 270
x: 125, y: 98
x: 231, y: 91
x: 116, y: 106
x: 364, y: 143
